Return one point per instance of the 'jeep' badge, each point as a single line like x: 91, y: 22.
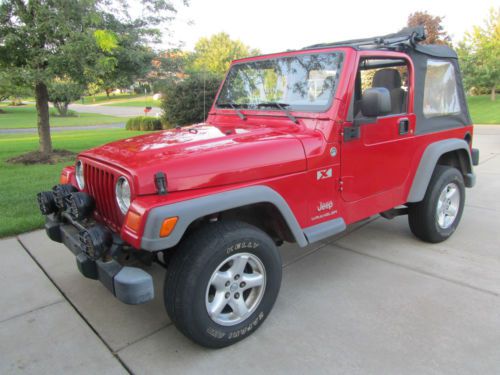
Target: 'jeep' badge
x: 324, y: 173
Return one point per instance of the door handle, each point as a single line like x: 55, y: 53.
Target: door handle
x: 404, y: 126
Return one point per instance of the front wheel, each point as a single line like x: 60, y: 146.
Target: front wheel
x: 222, y: 283
x: 436, y: 217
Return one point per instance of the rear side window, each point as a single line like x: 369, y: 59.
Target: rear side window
x: 440, y: 91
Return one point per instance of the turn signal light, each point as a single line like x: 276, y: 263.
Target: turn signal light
x: 64, y: 179
x: 168, y: 226
x: 133, y: 220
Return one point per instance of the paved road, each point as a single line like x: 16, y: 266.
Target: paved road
x: 118, y: 125
x: 373, y: 301
x: 102, y: 110
x: 113, y: 111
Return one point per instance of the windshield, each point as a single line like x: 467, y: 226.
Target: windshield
x: 299, y: 83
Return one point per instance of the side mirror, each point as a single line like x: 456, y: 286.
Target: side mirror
x: 375, y: 102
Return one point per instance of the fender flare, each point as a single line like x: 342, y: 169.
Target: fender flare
x: 428, y: 163
x: 190, y: 210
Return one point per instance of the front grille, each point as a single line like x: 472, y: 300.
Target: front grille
x: 100, y: 184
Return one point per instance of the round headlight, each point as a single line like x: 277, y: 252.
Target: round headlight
x: 122, y: 191
x: 80, y: 179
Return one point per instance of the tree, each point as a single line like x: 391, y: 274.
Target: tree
x: 479, y: 54
x: 214, y: 54
x: 435, y: 31
x: 12, y: 87
x: 72, y: 39
x: 188, y: 101
x: 168, y: 66
x: 61, y: 93
x: 127, y: 61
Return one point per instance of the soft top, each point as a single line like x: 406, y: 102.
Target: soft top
x: 406, y: 39
x: 436, y: 50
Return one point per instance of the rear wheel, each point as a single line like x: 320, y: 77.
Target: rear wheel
x: 222, y: 283
x: 436, y: 217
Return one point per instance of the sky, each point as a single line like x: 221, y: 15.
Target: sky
x: 278, y: 25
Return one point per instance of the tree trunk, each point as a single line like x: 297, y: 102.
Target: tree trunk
x: 62, y: 108
x: 493, y: 94
x: 42, y: 109
x: 108, y: 91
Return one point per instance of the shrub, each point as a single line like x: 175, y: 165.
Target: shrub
x: 144, y: 123
x: 69, y: 113
x: 182, y: 101
x: 61, y: 93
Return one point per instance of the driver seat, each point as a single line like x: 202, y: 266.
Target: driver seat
x: 391, y: 80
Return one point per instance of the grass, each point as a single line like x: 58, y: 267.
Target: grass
x: 483, y: 110
x: 137, y: 102
x: 25, y: 117
x: 20, y: 183
x: 102, y: 98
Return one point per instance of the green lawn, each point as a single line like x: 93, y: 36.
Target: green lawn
x: 137, y: 102
x: 25, y: 117
x: 19, y: 183
x: 101, y: 98
x: 483, y: 110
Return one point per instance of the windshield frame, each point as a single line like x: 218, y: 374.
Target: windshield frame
x: 325, y: 109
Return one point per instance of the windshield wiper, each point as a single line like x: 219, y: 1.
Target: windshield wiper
x: 232, y: 106
x: 282, y: 106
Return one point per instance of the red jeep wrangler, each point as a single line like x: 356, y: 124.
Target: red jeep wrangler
x: 296, y: 146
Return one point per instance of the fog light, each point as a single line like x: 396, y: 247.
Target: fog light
x: 46, y: 202
x: 95, y: 241
x: 79, y: 205
x: 60, y: 193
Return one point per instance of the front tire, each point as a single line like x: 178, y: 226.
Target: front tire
x: 437, y: 216
x: 222, y: 283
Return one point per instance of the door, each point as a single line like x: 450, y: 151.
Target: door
x: 376, y: 159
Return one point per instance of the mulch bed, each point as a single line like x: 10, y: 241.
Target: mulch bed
x: 36, y: 157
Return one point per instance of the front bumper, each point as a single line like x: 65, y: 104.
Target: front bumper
x: 130, y: 285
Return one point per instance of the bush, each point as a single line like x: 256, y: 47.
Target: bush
x: 62, y: 93
x: 144, y: 123
x: 182, y: 101
x: 69, y: 113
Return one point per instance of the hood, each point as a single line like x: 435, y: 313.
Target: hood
x: 204, y: 155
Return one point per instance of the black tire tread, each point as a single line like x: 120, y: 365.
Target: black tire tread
x: 197, y: 246
x: 421, y: 215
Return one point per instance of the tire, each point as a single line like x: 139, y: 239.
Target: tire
x: 437, y: 216
x: 244, y: 256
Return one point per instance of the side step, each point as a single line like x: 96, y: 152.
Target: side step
x: 393, y: 212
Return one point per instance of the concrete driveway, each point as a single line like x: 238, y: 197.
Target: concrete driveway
x: 375, y: 300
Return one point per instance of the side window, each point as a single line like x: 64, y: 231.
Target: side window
x: 391, y: 74
x: 440, y: 89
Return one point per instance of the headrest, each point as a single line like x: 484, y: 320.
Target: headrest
x: 388, y: 78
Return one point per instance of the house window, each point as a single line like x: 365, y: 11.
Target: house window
x: 440, y: 91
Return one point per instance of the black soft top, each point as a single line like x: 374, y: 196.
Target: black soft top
x: 436, y: 50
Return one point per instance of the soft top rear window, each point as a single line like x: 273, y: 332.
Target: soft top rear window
x: 298, y: 83
x: 440, y: 90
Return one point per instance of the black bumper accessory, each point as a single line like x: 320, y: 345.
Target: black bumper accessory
x: 66, y: 212
x: 475, y: 156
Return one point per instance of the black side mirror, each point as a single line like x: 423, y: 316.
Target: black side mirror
x: 375, y: 102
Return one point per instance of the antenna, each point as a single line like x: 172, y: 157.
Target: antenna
x: 204, y: 94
